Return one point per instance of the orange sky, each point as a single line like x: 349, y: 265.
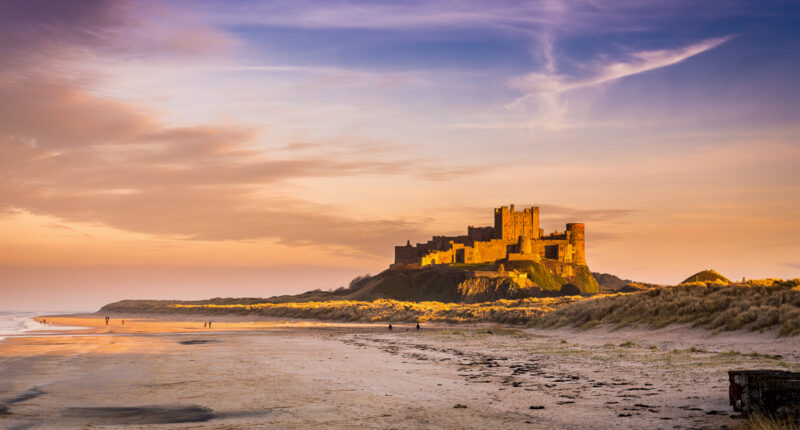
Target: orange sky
x: 150, y: 150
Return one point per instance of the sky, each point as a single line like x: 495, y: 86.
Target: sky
x: 195, y: 149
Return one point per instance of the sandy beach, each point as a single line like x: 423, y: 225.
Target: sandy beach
x: 170, y: 372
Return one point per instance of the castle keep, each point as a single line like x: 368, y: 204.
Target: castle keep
x: 515, y: 236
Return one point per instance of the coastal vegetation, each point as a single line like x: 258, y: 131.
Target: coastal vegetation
x: 522, y: 311
x: 755, y: 305
x: 752, y: 305
x: 444, y: 294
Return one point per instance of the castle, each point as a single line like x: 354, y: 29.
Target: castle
x: 515, y: 236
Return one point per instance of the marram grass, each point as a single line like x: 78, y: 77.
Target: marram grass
x: 754, y: 305
x: 501, y: 311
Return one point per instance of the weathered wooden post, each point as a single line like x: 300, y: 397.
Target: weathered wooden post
x: 768, y: 392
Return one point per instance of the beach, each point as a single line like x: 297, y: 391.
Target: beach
x: 172, y: 372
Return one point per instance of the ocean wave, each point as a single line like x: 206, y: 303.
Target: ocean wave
x: 19, y: 323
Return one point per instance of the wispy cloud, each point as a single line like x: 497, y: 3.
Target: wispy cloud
x: 546, y: 93
x: 537, y: 84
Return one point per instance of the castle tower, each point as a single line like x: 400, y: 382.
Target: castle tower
x: 509, y: 225
x: 576, y: 235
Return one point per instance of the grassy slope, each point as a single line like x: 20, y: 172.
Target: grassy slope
x: 432, y: 284
x: 756, y: 305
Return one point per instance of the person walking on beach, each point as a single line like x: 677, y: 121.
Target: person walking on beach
x: 417, y: 326
x: 390, y: 326
x: 106, y: 319
x: 205, y: 324
x: 209, y: 324
x: 123, y: 322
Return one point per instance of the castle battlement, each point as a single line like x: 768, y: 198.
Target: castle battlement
x: 514, y: 236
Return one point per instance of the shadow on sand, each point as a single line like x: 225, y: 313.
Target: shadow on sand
x: 141, y: 414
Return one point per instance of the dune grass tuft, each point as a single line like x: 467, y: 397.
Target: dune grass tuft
x: 762, y: 422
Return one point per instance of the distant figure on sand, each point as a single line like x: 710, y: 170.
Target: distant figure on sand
x: 205, y: 324
x: 417, y: 326
x: 106, y: 319
x: 390, y: 326
x: 123, y: 322
x: 209, y: 324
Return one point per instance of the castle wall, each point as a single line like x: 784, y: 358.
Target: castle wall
x: 438, y: 257
x: 442, y: 243
x: 555, y: 236
x: 480, y: 233
x: 406, y: 254
x: 553, y: 249
x: 516, y: 256
x: 489, y: 251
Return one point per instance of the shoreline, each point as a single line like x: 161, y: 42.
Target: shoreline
x: 95, y: 321
x: 768, y: 342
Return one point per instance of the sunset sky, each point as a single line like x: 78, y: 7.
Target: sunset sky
x: 193, y: 149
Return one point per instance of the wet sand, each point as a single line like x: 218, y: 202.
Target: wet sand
x: 170, y: 372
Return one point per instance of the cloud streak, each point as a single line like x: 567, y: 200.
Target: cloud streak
x: 547, y: 93
x: 636, y: 63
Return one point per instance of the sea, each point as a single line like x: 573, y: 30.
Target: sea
x: 16, y: 323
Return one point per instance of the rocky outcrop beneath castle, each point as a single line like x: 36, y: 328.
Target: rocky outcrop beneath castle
x: 471, y: 284
x: 489, y: 289
x: 552, y: 276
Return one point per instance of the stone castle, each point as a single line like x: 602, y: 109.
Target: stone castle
x: 515, y: 236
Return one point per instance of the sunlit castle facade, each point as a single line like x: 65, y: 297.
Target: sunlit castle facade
x: 514, y: 236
